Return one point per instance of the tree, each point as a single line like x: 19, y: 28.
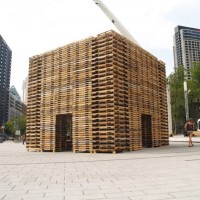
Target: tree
x: 175, y: 81
x: 21, y: 122
x: 194, y: 82
x: 10, y: 127
x: 194, y: 88
x: 18, y: 123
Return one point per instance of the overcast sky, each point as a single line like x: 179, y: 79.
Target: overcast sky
x: 31, y: 27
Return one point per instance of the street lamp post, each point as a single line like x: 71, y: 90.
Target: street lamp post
x: 186, y: 100
x: 169, y: 111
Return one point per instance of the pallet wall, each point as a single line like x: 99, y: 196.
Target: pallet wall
x: 112, y: 91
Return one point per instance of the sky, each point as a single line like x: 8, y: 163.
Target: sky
x: 32, y: 27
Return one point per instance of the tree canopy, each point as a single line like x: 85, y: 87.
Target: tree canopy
x: 175, y: 82
x: 18, y: 123
x: 194, y: 82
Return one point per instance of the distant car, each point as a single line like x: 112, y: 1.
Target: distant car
x: 2, y: 139
x: 198, y: 125
x: 4, y: 135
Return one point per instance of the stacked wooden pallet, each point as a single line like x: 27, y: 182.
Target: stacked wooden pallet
x: 34, y: 101
x: 103, y: 117
x: 81, y: 96
x: 147, y: 99
x: 164, y: 137
x: 102, y: 94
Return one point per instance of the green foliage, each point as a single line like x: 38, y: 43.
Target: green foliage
x: 21, y: 124
x: 194, y: 82
x: 18, y: 123
x: 175, y: 82
x: 194, y: 88
x: 10, y: 127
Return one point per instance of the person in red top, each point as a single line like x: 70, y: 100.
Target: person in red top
x: 189, y: 127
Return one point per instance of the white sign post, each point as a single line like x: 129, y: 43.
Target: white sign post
x: 17, y: 132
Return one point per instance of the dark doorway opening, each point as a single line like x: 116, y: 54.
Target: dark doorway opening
x: 64, y: 132
x: 146, y: 131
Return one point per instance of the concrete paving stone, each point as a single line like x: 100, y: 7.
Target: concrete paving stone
x: 17, y: 193
x: 55, y: 186
x: 168, y: 190
x: 111, y: 190
x: 72, y: 185
x: 42, y: 191
x: 43, y: 179
x: 103, y: 187
x: 124, y: 182
x: 44, y: 184
x: 124, y: 194
x: 88, y: 176
x: 77, y: 180
x: 109, y: 178
x: 54, y: 194
x: 87, y: 197
x: 5, y: 188
x: 68, y: 181
x: 12, y: 197
x: 153, y: 197
x: 21, y: 188
x: 2, y: 195
x: 97, y: 183
x: 120, y: 198
x: 192, y: 186
x: 54, y: 190
x: 130, y: 189
x: 92, y: 187
x: 54, y: 198
x: 92, y: 192
x: 34, y: 195
x: 91, y: 180
x: 187, y: 198
x: 33, y: 184
x: 190, y: 193
x: 58, y: 182
x: 36, y: 187
x: 74, y: 193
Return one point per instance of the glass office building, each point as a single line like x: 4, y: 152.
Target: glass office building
x: 5, y: 67
x: 186, y: 47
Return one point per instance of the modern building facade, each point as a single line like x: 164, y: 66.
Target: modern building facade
x: 186, y: 47
x: 16, y: 107
x: 101, y: 94
x: 25, y: 90
x: 5, y: 67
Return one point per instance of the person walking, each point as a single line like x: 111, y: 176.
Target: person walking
x: 189, y: 127
x: 24, y: 138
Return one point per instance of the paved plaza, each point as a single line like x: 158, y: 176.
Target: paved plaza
x: 171, y: 172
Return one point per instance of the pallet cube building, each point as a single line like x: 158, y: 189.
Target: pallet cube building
x: 100, y: 94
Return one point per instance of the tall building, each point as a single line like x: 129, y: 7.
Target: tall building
x: 100, y: 94
x: 5, y: 67
x: 186, y: 47
x: 16, y: 106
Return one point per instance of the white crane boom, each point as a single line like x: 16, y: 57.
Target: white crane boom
x: 115, y: 21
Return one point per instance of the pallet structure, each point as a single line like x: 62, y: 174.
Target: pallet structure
x: 101, y: 94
